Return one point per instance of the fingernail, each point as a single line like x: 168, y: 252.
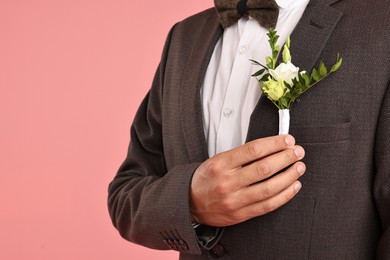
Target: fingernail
x: 289, y: 140
x: 297, y: 186
x: 299, y: 151
x: 301, y: 169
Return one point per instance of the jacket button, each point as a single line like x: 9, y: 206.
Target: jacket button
x: 217, y: 251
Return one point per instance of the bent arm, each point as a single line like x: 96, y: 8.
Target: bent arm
x: 148, y: 204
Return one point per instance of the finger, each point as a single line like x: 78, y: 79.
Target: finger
x: 255, y: 150
x: 266, y: 167
x: 271, y: 187
x: 271, y: 204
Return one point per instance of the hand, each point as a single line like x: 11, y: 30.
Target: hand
x: 226, y: 188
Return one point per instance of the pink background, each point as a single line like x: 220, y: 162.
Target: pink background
x: 72, y: 74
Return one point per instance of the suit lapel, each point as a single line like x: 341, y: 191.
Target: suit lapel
x: 307, y: 42
x: 313, y: 32
x: 191, y: 105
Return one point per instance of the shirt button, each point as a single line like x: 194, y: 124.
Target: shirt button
x: 217, y: 251
x: 243, y: 49
x: 228, y: 112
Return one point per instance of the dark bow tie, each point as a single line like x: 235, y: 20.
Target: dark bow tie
x: 264, y: 11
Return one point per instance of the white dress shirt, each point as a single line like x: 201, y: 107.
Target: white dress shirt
x: 229, y: 93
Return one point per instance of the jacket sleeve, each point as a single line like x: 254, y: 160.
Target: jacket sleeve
x: 382, y: 178
x: 148, y: 204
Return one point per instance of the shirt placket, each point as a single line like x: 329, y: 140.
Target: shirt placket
x: 227, y: 135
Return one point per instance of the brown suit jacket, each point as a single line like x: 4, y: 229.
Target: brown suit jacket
x: 343, y: 209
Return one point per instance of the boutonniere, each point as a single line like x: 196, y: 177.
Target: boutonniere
x: 283, y: 83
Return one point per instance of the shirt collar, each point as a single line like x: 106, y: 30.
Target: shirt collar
x: 285, y: 4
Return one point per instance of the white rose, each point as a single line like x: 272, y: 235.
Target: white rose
x: 285, y: 72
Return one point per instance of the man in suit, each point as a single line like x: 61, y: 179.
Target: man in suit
x: 197, y: 183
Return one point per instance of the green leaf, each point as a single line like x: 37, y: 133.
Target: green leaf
x: 301, y: 80
x: 257, y: 63
x: 275, y: 39
x: 298, y: 89
x: 286, y: 54
x: 315, y: 75
x: 284, y: 102
x: 271, y: 33
x: 338, y: 64
x: 322, y: 70
x: 288, y: 95
x: 288, y: 41
x: 264, y: 78
x: 295, y: 81
x: 271, y: 44
x: 258, y: 73
x: 306, y: 78
x: 270, y: 62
